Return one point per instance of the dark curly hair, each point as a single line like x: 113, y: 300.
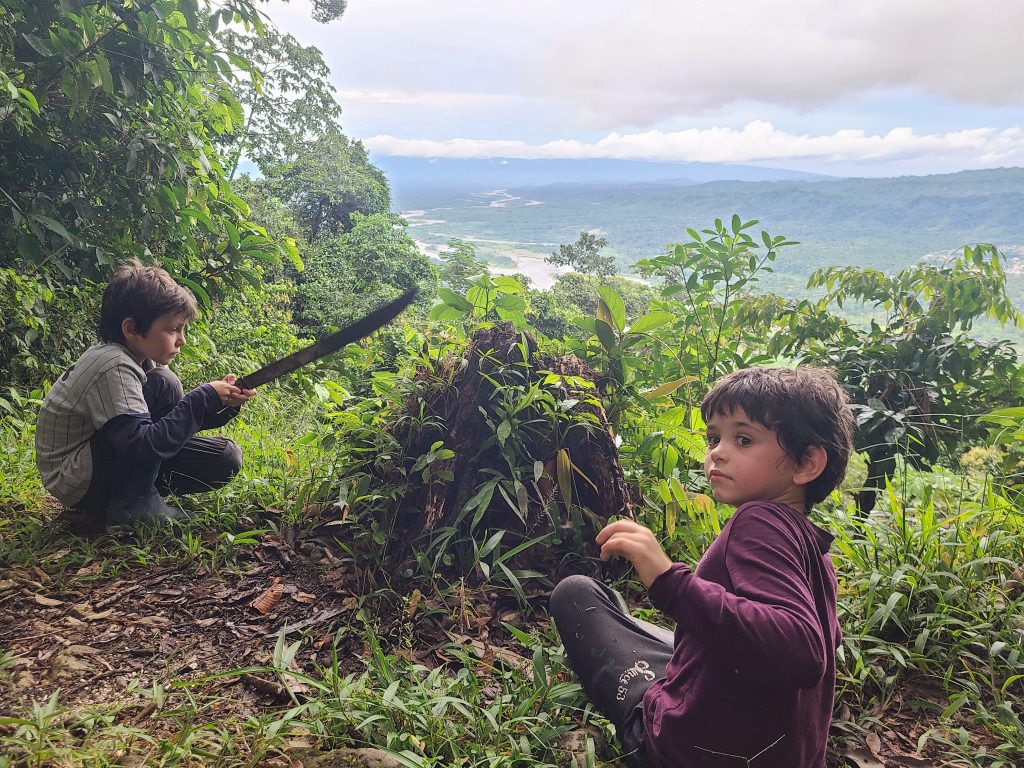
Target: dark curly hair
x: 804, y: 407
x: 142, y: 293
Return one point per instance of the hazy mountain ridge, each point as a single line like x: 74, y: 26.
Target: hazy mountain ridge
x: 884, y: 223
x: 412, y: 176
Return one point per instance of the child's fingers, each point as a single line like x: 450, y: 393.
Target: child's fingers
x: 241, y: 396
x: 628, y: 541
x: 622, y: 543
x: 642, y: 549
x: 619, y: 526
x: 231, y: 378
x: 610, y: 530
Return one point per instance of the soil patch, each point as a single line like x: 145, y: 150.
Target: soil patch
x: 99, y: 638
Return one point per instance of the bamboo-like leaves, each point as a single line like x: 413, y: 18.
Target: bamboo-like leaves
x: 669, y: 387
x: 563, y: 468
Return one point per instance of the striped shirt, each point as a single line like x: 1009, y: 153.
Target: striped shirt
x: 104, y: 383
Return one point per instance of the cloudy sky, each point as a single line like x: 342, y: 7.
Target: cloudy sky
x: 866, y: 88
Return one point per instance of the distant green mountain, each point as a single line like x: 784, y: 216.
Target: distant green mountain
x: 881, y: 223
x: 411, y: 177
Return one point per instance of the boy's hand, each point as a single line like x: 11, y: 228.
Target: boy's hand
x: 230, y: 395
x: 245, y: 394
x: 638, y: 545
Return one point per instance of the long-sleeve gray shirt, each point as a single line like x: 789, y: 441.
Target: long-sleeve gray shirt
x: 104, y: 391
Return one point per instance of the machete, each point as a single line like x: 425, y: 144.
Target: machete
x: 360, y: 328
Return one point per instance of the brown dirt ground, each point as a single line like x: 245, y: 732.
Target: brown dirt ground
x: 100, y: 639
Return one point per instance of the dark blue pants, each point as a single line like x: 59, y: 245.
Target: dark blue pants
x: 204, y: 463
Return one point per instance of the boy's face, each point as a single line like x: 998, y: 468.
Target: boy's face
x: 160, y: 343
x: 744, y: 462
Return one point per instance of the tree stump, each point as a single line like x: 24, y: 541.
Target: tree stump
x: 523, y: 422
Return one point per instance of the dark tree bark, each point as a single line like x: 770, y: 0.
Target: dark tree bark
x: 500, y: 357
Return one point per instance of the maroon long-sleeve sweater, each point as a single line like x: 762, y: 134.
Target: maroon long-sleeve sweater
x: 753, y: 670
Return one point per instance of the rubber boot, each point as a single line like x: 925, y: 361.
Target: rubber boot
x: 148, y: 508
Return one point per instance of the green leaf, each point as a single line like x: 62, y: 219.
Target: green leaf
x: 29, y: 98
x: 200, y: 215
x: 516, y: 318
x: 669, y: 388
x: 524, y: 639
x: 586, y: 323
x: 291, y: 250
x: 453, y: 299
x: 103, y: 67
x: 54, y: 226
x: 88, y: 30
x: 190, y: 9
x: 490, y: 544
x: 91, y: 68
x: 512, y: 503
x: 40, y: 46
x: 511, y: 303
x: 481, y: 499
x: 480, y: 298
x: 445, y: 313
x: 232, y: 232
x: 390, y: 691
x: 1003, y: 415
x: 605, y: 335
x: 198, y: 290
x: 508, y: 284
x: 652, y: 320
x: 615, y: 306
x: 563, y: 467
x: 28, y: 247
x: 676, y: 487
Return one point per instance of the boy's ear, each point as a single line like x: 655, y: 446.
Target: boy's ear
x: 128, y: 327
x: 813, y: 463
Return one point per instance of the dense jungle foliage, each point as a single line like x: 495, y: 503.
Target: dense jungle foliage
x: 122, y: 123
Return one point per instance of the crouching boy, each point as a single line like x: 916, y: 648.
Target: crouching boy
x: 116, y: 432
x: 748, y: 677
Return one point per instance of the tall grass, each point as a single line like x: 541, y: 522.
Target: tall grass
x: 926, y: 598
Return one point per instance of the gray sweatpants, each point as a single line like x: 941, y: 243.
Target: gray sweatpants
x: 615, y: 656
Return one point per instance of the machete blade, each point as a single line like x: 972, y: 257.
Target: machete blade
x: 360, y: 328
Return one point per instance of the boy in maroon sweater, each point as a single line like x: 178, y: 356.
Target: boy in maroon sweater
x: 747, y: 679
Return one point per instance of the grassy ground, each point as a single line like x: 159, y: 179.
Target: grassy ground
x: 259, y: 635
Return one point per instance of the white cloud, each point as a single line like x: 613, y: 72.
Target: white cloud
x: 426, y: 98
x: 758, y: 141
x: 508, y: 76
x: 659, y: 58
